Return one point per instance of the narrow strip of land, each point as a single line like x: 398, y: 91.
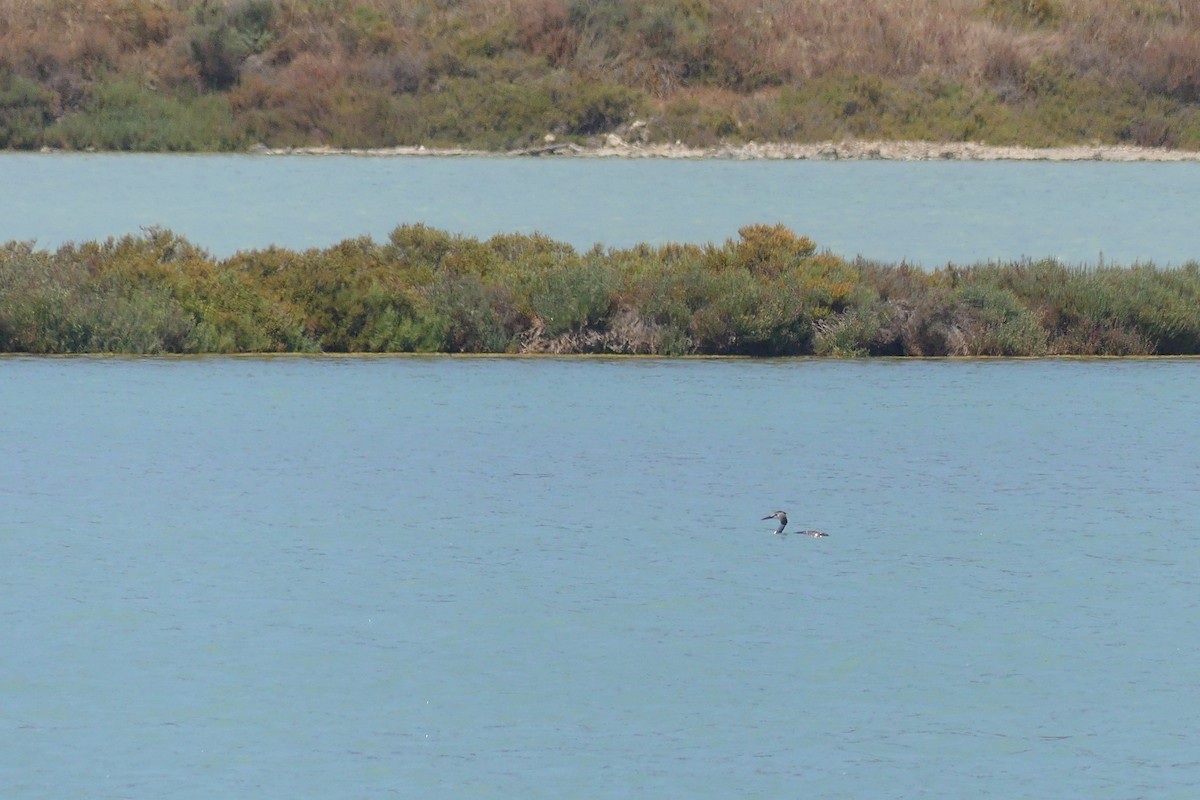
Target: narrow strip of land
x: 615, y: 147
x: 769, y: 292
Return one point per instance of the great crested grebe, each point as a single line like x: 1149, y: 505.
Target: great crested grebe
x: 781, y: 516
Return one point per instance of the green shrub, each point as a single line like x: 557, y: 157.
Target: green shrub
x: 226, y: 37
x: 1027, y: 12
x: 990, y: 321
x: 123, y: 115
x: 867, y: 326
x: 59, y: 304
x: 589, y: 107
x: 26, y: 109
x: 468, y: 316
x: 766, y: 293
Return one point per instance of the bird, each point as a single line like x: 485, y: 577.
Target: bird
x: 781, y: 516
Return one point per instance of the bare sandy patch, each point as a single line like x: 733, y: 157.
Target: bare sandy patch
x: 615, y: 147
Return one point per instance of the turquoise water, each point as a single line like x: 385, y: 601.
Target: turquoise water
x: 926, y: 212
x: 497, y: 578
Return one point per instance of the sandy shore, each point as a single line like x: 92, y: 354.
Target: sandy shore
x: 614, y: 147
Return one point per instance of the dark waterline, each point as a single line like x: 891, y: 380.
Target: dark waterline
x: 924, y: 212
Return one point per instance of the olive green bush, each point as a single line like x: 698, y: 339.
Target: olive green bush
x: 767, y: 292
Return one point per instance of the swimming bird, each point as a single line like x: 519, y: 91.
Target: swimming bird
x: 781, y: 516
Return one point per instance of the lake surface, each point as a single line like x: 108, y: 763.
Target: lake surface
x: 926, y: 212
x: 499, y: 578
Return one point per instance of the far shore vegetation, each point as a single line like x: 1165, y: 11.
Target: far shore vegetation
x: 769, y: 292
x: 220, y: 75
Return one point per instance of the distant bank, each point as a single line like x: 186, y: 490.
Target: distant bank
x: 220, y: 75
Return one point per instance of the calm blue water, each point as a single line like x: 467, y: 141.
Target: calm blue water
x: 497, y: 578
x: 928, y: 213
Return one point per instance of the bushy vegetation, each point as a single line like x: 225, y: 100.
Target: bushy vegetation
x: 768, y: 292
x: 225, y: 74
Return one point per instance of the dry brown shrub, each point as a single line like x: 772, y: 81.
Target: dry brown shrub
x: 544, y: 29
x: 400, y: 72
x: 144, y: 23
x: 628, y: 333
x: 878, y: 37
x: 1101, y: 340
x: 299, y: 31
x: 310, y: 73
x: 296, y: 97
x: 1002, y: 60
x: 1172, y: 63
x: 752, y: 46
x: 1150, y: 41
x: 168, y: 67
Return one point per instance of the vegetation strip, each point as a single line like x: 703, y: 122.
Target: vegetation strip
x: 767, y: 293
x: 226, y: 75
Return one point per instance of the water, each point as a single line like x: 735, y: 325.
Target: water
x: 927, y: 213
x: 497, y: 578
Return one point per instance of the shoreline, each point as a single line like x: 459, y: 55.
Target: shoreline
x: 615, y: 147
